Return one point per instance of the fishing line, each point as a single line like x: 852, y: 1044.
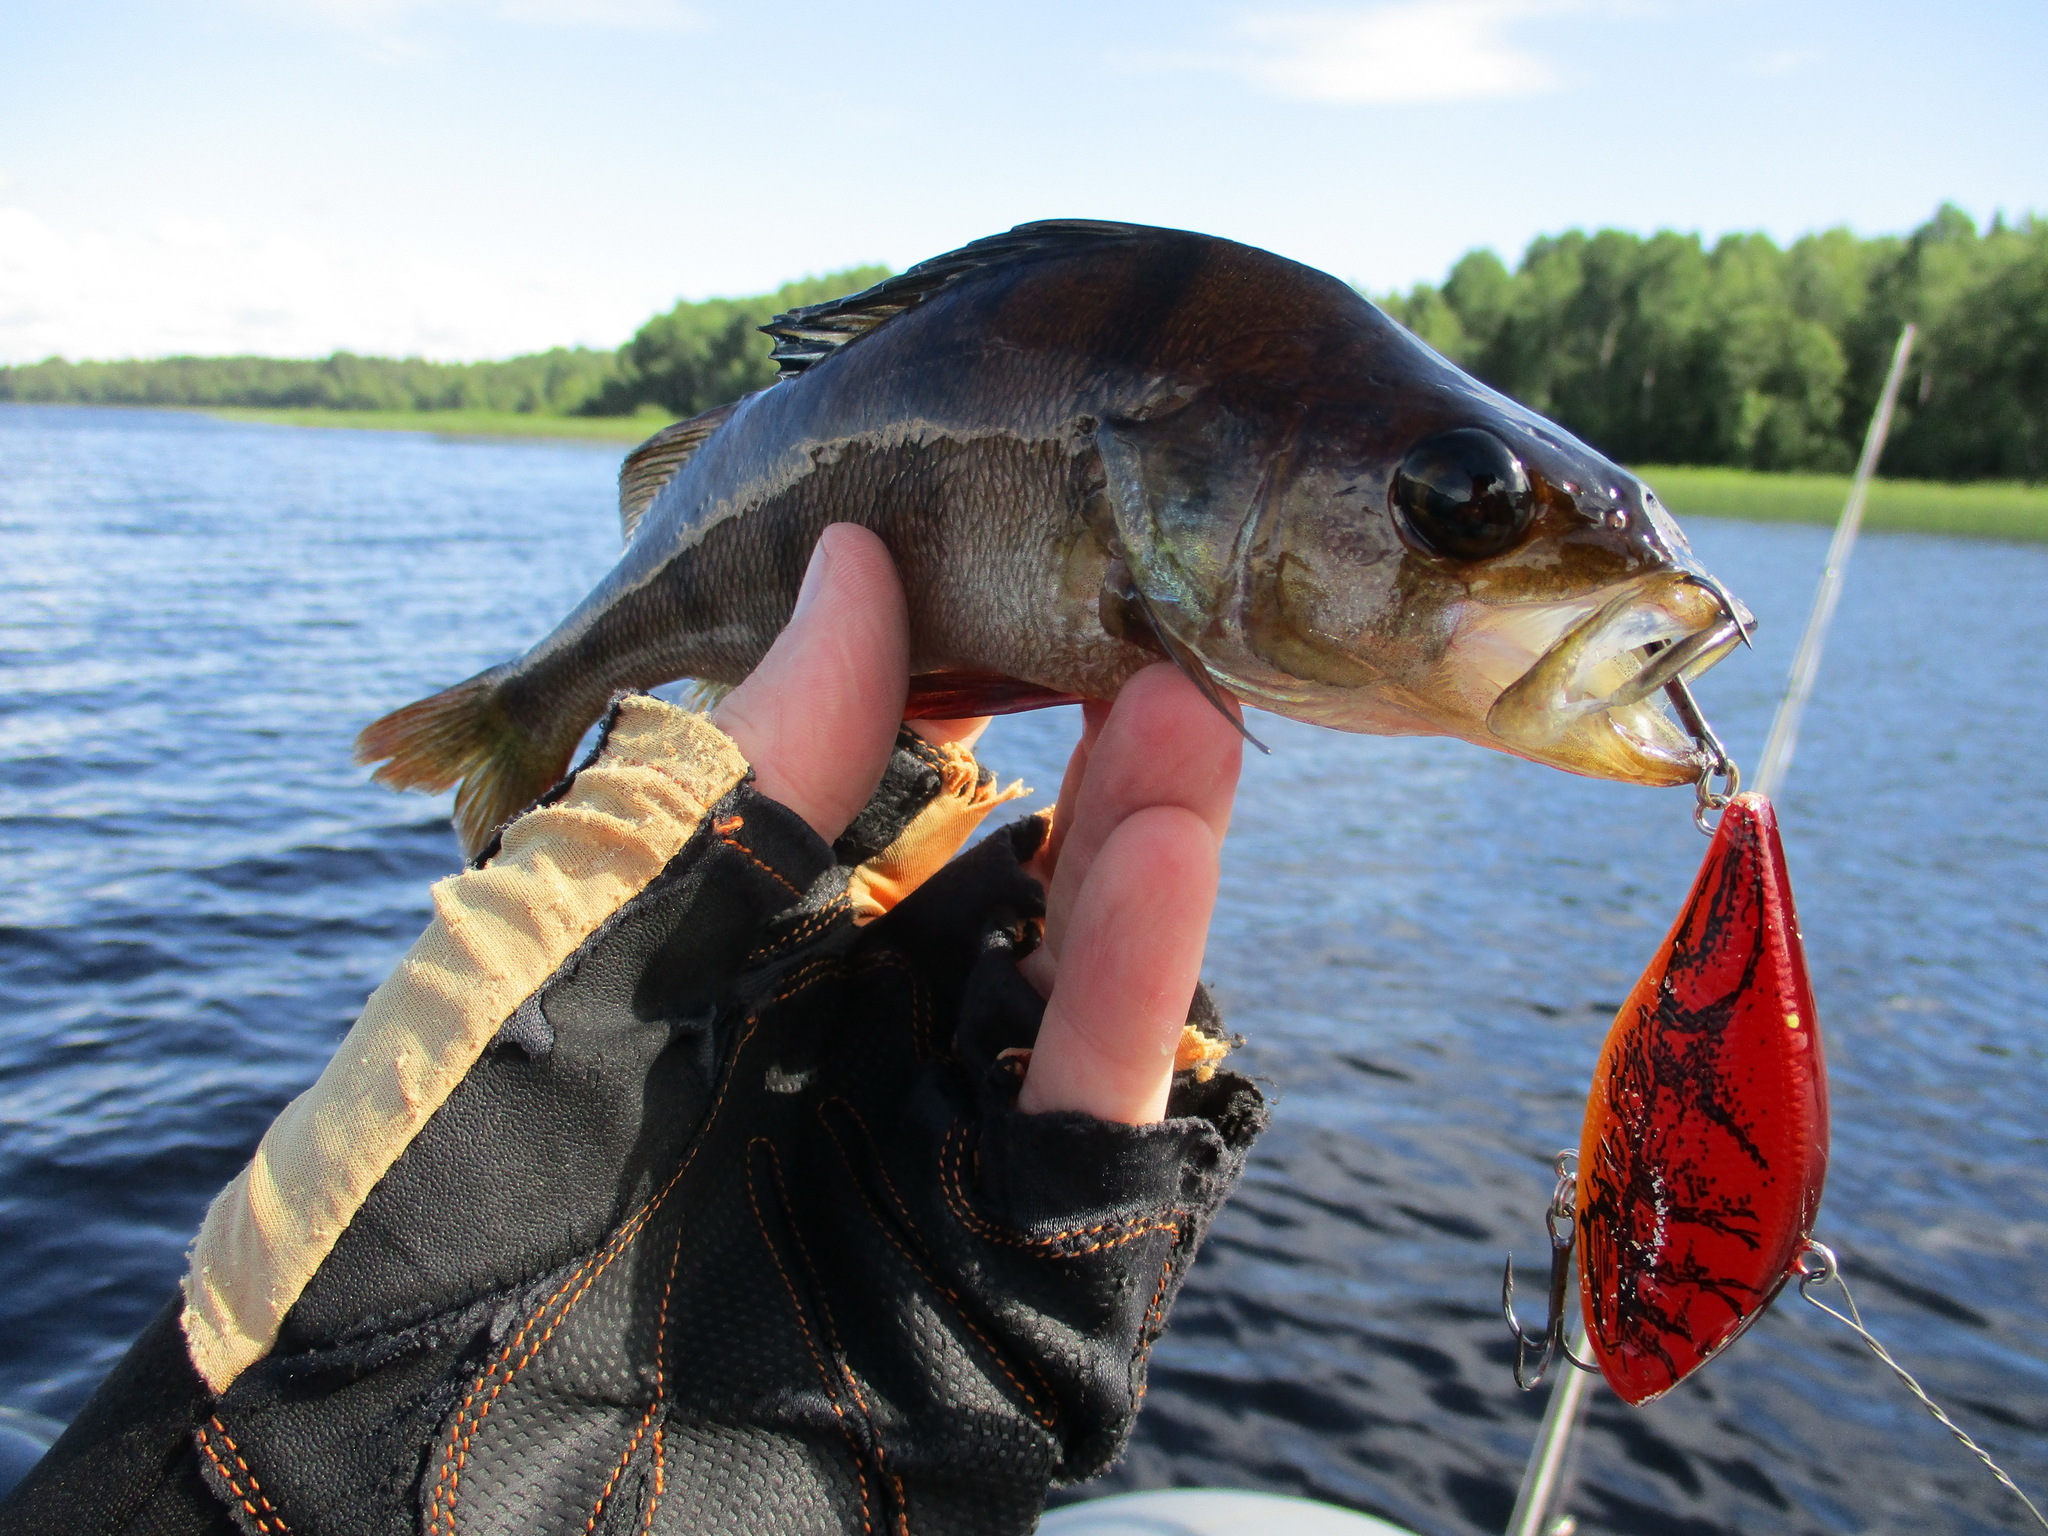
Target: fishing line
x: 1826, y: 1270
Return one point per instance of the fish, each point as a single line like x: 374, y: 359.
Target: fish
x: 1093, y: 445
x: 1705, y: 1147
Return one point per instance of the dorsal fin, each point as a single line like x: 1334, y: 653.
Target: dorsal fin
x: 659, y: 460
x: 807, y: 335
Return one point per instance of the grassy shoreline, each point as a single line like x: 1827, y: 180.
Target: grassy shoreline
x: 499, y: 424
x: 1984, y: 510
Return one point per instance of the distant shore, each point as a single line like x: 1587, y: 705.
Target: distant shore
x: 1990, y: 510
x: 1981, y: 509
x: 528, y: 424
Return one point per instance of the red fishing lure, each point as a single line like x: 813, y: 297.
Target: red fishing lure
x: 1706, y: 1137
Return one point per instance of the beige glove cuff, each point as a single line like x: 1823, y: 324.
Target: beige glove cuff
x: 498, y: 933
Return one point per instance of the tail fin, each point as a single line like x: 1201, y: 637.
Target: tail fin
x: 463, y: 733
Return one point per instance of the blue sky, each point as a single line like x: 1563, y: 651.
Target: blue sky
x: 467, y: 178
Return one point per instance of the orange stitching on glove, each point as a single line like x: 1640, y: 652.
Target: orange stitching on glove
x: 455, y: 1456
x: 1047, y: 1417
x: 206, y: 1444
x: 668, y: 1286
x: 952, y: 1182
x: 823, y: 918
x: 810, y: 1341
x: 618, y: 1471
x: 838, y: 1349
x: 725, y: 827
x: 660, y: 1476
x: 1154, y: 1325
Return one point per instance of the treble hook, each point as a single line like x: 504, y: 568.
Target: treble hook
x: 1561, y: 1222
x: 1546, y: 1345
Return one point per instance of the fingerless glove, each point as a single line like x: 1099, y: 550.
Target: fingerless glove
x: 673, y: 1182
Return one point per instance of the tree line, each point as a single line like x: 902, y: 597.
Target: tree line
x: 1656, y: 349
x: 1663, y: 350
x: 558, y: 382
x: 686, y: 360
x: 700, y: 355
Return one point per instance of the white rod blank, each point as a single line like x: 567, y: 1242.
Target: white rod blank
x: 1546, y: 1482
x: 1784, y: 737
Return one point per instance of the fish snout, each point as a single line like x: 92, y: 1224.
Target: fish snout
x: 1590, y: 704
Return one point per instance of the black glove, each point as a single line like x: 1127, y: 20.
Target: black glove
x: 674, y: 1183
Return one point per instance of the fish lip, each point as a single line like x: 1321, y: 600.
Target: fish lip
x: 1589, y: 703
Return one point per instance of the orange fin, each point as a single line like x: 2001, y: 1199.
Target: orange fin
x: 462, y: 734
x: 961, y: 695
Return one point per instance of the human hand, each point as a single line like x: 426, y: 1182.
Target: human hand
x: 677, y: 1178
x: 1131, y: 863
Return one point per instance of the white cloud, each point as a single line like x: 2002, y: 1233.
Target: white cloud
x: 614, y: 15
x: 1784, y: 61
x: 1412, y: 51
x: 195, y: 285
x: 393, y: 29
x: 609, y: 15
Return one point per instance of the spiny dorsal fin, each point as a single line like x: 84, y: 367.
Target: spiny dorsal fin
x: 659, y: 460
x: 807, y: 335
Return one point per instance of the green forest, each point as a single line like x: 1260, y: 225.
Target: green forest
x: 1657, y: 349
x: 547, y: 383
x: 687, y: 360
x: 1664, y: 350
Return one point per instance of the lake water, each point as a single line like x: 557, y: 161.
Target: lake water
x: 1423, y: 941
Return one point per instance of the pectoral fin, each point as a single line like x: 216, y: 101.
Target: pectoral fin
x: 1183, y: 656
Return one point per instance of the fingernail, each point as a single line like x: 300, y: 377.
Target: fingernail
x: 814, y: 579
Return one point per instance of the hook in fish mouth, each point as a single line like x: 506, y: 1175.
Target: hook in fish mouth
x: 1591, y: 701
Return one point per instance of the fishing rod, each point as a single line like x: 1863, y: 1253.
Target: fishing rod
x: 1548, y: 1479
x: 1784, y: 737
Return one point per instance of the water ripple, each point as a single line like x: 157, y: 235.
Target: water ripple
x: 1423, y: 943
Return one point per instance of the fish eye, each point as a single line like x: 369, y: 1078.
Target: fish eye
x: 1463, y: 495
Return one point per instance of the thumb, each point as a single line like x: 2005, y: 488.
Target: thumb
x: 818, y: 717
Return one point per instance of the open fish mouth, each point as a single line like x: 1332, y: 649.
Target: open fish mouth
x: 1591, y: 703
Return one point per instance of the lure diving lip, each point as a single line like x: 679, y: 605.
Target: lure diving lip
x: 1705, y: 1145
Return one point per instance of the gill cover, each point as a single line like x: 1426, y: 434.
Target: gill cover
x: 1187, y: 478
x: 1407, y: 577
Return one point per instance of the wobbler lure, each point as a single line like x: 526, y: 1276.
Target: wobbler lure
x: 1706, y: 1138
x: 1705, y: 1147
